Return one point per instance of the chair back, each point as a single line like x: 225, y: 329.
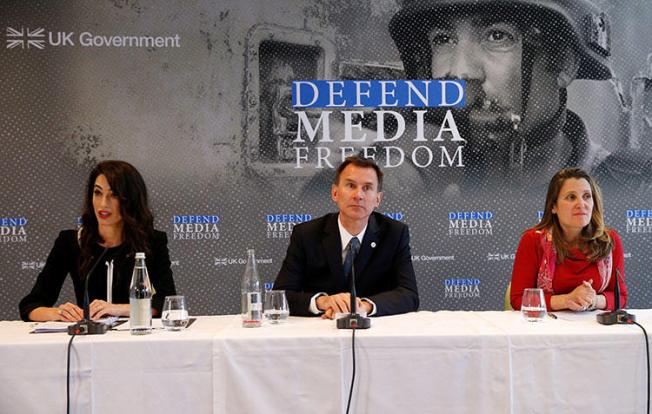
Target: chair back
x: 508, y: 303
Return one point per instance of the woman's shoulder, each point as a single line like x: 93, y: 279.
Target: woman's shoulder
x: 66, y: 242
x: 159, y: 235
x: 533, y: 234
x: 68, y: 236
x: 614, y: 236
x: 531, y: 239
x: 158, y: 238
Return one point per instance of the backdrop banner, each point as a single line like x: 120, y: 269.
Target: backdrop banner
x: 238, y: 112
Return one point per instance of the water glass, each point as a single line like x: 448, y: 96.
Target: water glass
x: 533, y: 306
x: 276, y: 306
x: 175, y: 314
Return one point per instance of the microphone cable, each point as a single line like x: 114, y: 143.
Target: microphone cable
x: 647, y: 353
x: 348, y: 404
x: 354, y: 327
x: 73, y: 332
x: 68, y: 374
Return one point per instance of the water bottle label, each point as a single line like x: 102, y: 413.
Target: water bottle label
x: 253, y: 313
x: 140, y: 313
x: 255, y: 301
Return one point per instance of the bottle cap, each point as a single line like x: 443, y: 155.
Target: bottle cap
x: 140, y: 255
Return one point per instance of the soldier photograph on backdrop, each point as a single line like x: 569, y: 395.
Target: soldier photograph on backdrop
x: 518, y: 58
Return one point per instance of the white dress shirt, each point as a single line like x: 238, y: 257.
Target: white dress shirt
x: 345, y: 237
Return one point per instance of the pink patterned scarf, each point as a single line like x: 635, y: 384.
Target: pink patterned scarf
x: 548, y: 265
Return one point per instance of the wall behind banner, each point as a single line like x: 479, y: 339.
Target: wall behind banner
x: 194, y: 94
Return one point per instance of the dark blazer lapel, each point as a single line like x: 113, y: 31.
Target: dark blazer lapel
x: 371, y: 236
x: 332, y: 248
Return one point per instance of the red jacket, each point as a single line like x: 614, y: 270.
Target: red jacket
x: 568, y: 274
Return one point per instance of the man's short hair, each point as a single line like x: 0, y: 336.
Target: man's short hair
x: 360, y: 162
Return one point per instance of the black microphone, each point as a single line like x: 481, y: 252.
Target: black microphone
x: 86, y: 326
x: 616, y: 316
x: 353, y: 320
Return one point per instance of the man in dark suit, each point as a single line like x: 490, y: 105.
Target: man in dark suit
x: 313, y: 272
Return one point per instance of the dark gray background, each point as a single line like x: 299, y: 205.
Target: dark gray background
x: 189, y: 119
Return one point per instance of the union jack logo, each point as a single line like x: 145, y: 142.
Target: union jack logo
x: 25, y: 38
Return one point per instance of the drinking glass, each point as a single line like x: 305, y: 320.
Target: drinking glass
x: 533, y: 306
x: 276, y: 306
x: 175, y: 314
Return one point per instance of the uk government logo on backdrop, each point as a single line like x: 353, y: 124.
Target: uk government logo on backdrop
x: 12, y: 230
x: 240, y: 261
x: 470, y: 223
x: 427, y: 258
x: 279, y: 226
x: 25, y: 38
x: 32, y: 265
x: 639, y: 221
x: 39, y: 38
x: 196, y: 227
x: 496, y: 257
x: 462, y: 288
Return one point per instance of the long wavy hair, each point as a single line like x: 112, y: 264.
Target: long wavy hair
x: 138, y: 223
x: 594, y: 238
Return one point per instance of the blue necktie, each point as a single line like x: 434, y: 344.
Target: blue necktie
x: 352, y: 251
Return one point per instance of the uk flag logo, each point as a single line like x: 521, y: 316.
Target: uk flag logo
x: 25, y: 38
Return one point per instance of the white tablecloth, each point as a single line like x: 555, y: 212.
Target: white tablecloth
x: 443, y: 362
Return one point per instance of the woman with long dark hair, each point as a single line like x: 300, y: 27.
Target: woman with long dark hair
x: 117, y: 222
x: 570, y: 254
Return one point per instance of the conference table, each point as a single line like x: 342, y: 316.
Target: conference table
x: 437, y: 362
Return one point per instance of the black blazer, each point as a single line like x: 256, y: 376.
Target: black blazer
x: 64, y: 260
x: 383, y: 267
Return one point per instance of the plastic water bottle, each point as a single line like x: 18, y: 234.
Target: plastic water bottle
x: 140, y: 299
x: 252, y: 300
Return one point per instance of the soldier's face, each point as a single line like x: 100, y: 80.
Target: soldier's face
x: 486, y: 52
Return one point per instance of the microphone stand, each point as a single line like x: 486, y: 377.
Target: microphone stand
x: 353, y: 320
x: 617, y: 316
x: 87, y: 326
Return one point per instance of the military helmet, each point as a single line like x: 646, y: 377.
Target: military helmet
x: 581, y: 20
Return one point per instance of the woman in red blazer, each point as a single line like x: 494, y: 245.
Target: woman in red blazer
x: 570, y: 254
